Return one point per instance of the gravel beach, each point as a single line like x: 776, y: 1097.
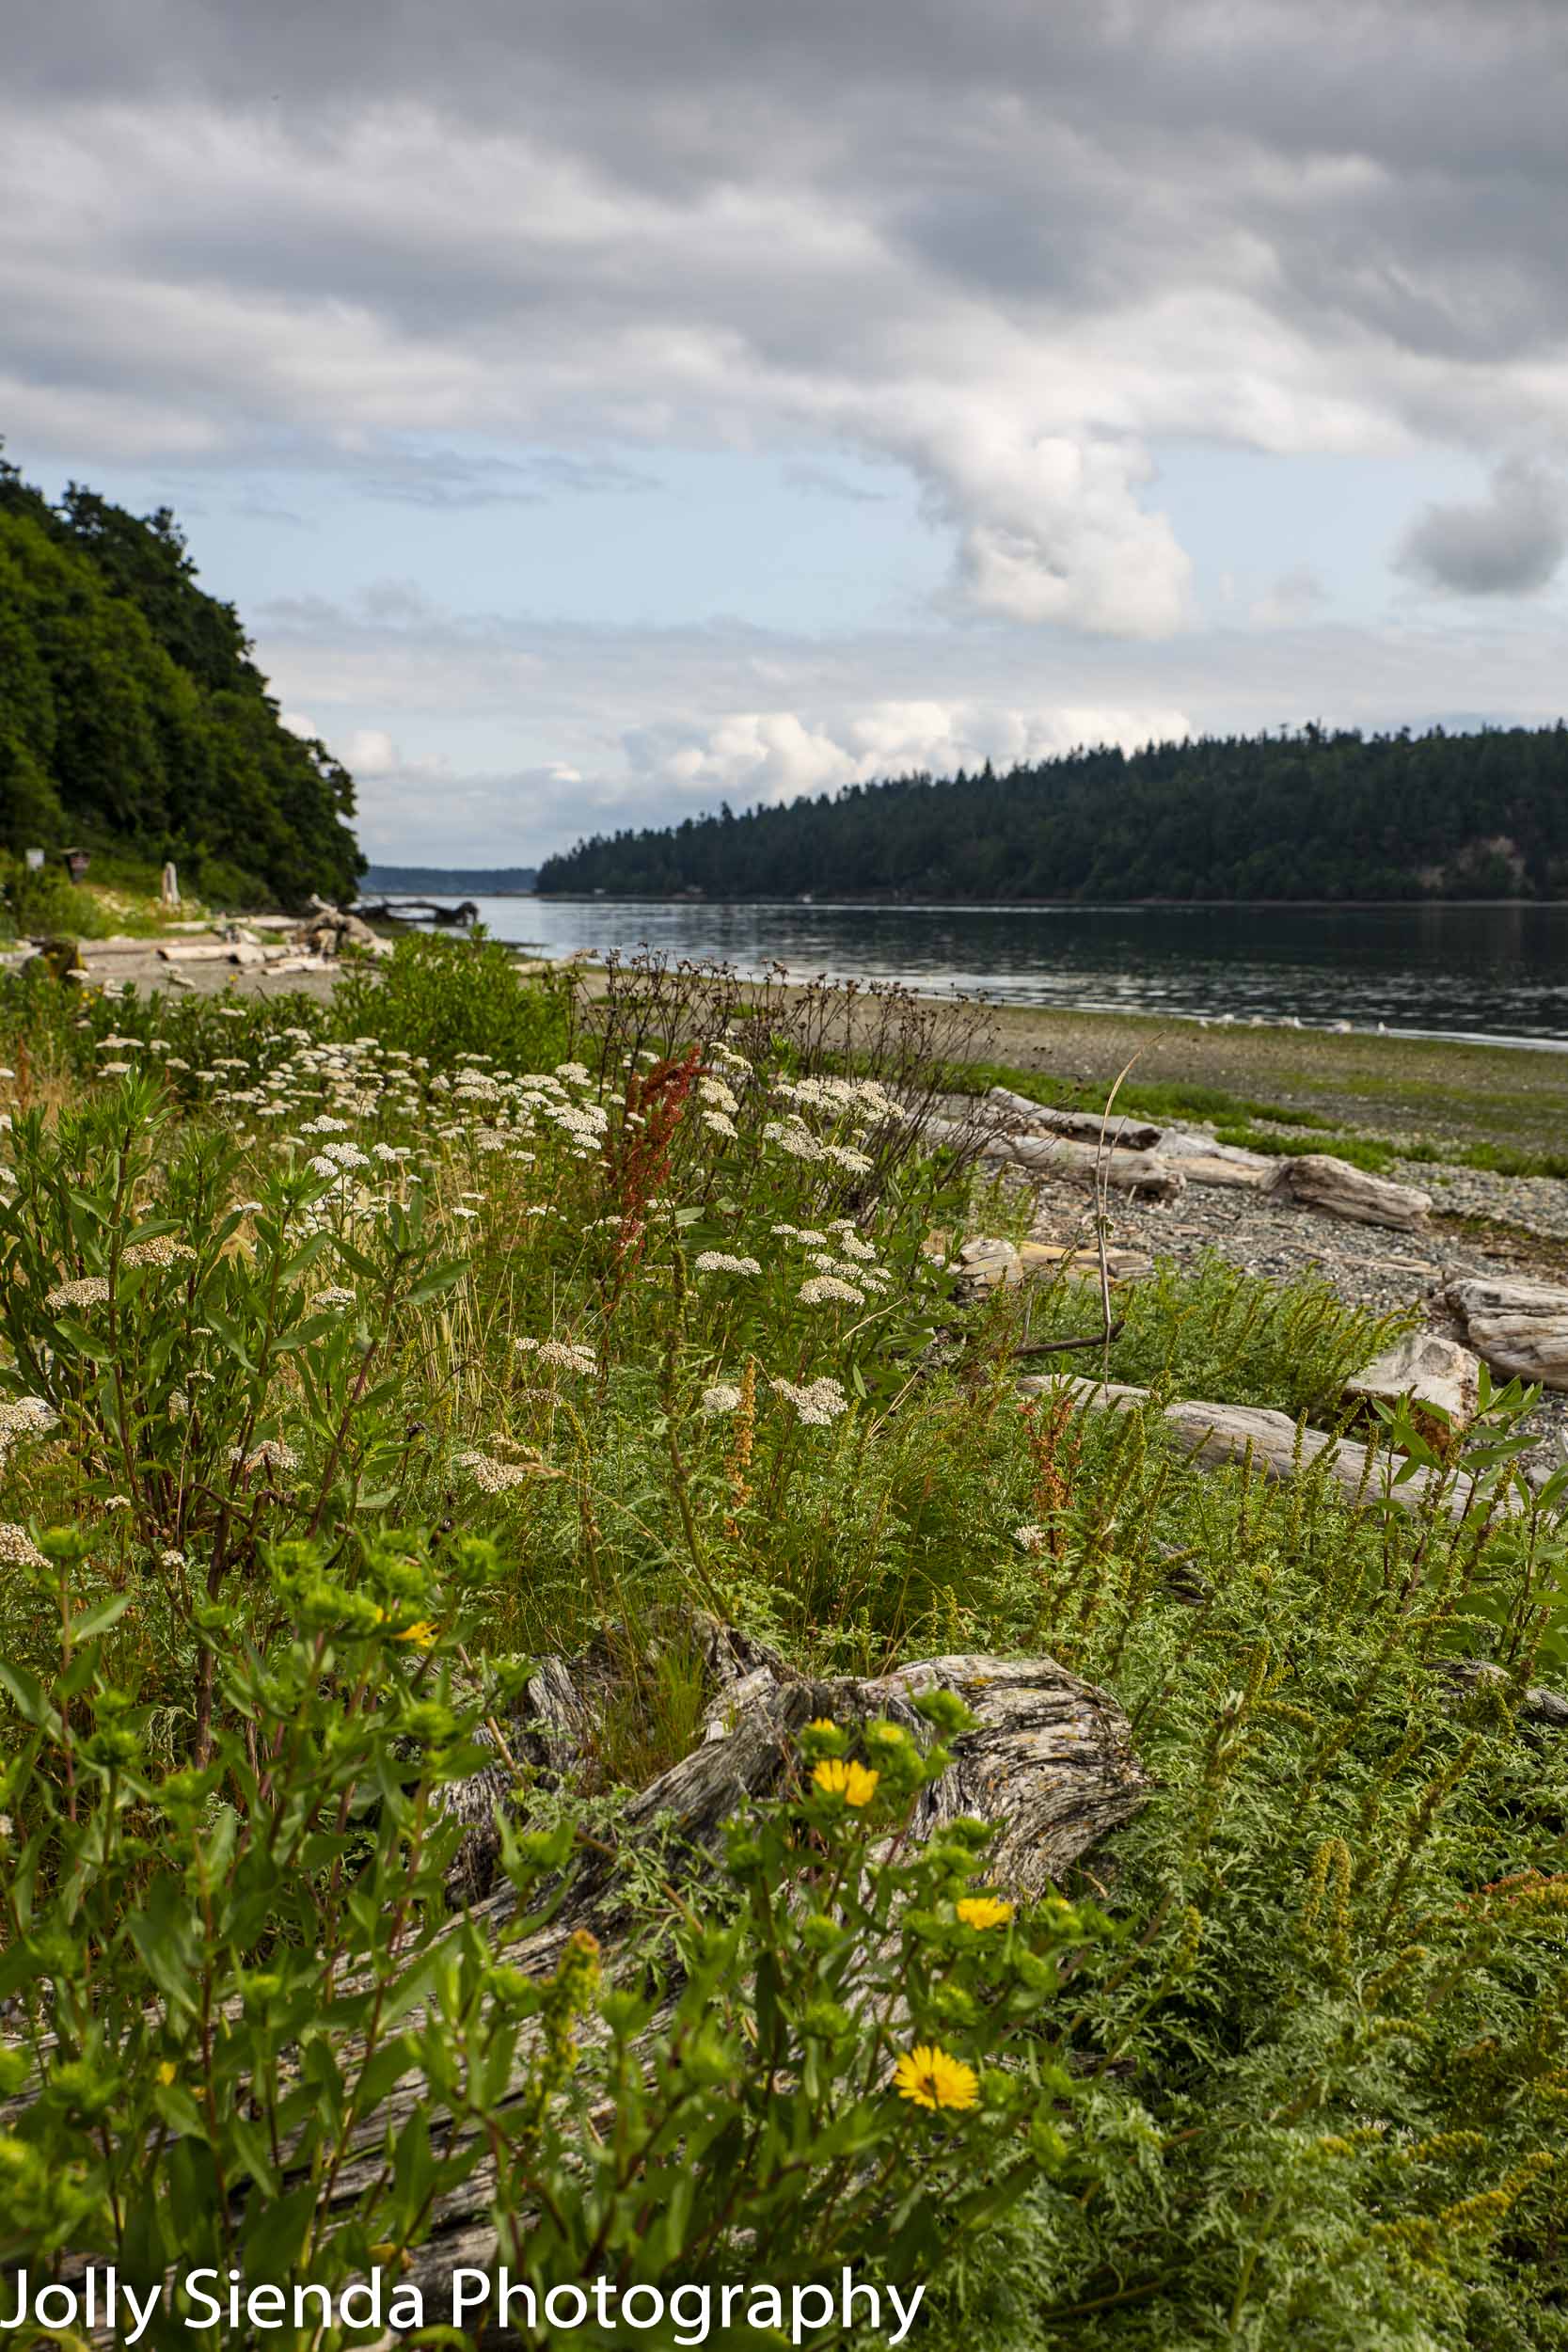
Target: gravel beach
x: 1368, y: 1265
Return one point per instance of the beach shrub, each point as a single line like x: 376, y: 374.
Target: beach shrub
x: 1219, y: 1332
x: 839, y: 2061
x: 448, y: 999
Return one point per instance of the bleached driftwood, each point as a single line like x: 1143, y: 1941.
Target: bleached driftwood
x: 1049, y: 1760
x: 1244, y: 1172
x: 1436, y: 1374
x: 988, y: 1263
x: 1518, y: 1327
x: 1318, y: 1180
x: 1219, y: 1434
x: 1141, y: 1172
x: 1123, y: 1135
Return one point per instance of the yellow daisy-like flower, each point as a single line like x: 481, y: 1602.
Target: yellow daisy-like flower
x: 983, y: 1910
x: 929, y: 2076
x: 822, y: 1723
x: 165, y: 2072
x: 421, y: 1631
x: 855, y: 1783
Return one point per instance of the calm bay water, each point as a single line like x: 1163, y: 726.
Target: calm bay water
x: 1477, y: 970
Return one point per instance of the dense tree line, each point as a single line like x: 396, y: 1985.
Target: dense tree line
x: 132, y: 713
x: 1316, y: 815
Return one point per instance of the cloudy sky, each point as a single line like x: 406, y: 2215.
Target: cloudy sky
x: 599, y: 409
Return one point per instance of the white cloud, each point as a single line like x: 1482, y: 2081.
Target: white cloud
x: 481, y: 256
x: 370, y: 752
x: 775, y: 755
x: 1013, y: 260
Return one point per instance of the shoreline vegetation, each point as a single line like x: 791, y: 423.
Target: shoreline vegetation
x: 136, y: 724
x: 586, y: 1685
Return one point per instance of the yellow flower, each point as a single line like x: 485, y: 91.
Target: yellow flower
x: 166, y: 2072
x: 822, y: 1723
x: 933, y: 2079
x: 421, y: 1631
x: 983, y: 1910
x: 855, y: 1783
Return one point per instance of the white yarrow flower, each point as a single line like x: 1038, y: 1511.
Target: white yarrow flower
x: 815, y: 1401
x: 821, y: 1288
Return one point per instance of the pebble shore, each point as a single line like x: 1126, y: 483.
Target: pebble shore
x: 1367, y: 1265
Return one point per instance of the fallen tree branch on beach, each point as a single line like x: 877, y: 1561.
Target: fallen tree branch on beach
x: 1142, y: 1173
x: 1318, y: 1180
x: 1049, y: 1760
x: 1279, y: 1447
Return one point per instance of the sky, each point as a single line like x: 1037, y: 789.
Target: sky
x: 597, y: 411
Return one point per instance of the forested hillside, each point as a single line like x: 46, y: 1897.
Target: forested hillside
x: 132, y: 714
x: 1316, y: 815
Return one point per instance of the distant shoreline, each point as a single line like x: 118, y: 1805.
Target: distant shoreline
x: 984, y: 906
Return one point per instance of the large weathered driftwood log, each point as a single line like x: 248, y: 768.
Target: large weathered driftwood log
x: 1049, y: 1760
x: 1318, y: 1180
x: 1518, y: 1327
x: 1219, y: 1434
x: 1123, y: 1135
x: 1141, y: 1172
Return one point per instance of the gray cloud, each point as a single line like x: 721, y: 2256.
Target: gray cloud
x: 1510, y: 544
x: 1009, y: 248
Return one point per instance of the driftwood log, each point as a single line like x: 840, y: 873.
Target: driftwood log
x: 1520, y: 1327
x: 1437, y: 1375
x: 1202, y: 1160
x: 1050, y: 1759
x: 1220, y: 1434
x: 1241, y: 1172
x: 988, y: 1263
x: 1318, y: 1180
x: 1018, y: 1112
x: 1141, y: 1172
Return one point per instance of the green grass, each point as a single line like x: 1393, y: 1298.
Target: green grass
x: 1150, y: 1099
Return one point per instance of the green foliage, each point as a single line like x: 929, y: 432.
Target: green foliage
x: 357, y: 1383
x: 1233, y: 1337
x: 1316, y: 816
x: 794, y: 2107
x: 446, y: 998
x: 134, y: 714
x: 47, y: 900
